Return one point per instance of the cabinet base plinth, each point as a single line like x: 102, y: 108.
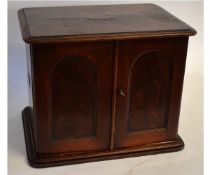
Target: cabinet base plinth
x: 47, y: 160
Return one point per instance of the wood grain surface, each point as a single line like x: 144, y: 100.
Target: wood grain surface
x: 104, y: 82
x: 104, y: 22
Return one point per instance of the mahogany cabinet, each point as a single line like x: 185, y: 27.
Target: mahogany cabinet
x: 104, y: 82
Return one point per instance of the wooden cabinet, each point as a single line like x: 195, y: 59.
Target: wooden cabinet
x: 104, y: 82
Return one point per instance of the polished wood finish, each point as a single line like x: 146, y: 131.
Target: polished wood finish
x: 102, y: 86
x: 73, y: 84
x: 150, y: 73
x: 45, y: 160
x: 72, y: 95
x: 107, y: 22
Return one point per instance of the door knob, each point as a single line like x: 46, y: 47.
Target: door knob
x: 122, y: 93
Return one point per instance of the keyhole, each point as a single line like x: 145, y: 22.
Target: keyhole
x: 122, y: 93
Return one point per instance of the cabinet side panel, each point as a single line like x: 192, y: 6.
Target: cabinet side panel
x: 149, y: 87
x: 29, y: 61
x: 73, y: 91
x: 29, y: 74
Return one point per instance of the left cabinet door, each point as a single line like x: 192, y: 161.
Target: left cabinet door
x: 72, y: 88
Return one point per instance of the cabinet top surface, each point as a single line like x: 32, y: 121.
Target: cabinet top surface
x: 107, y: 22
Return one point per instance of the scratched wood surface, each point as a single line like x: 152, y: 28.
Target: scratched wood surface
x: 53, y: 24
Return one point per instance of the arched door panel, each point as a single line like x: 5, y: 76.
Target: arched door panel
x: 146, y: 107
x: 148, y: 92
x: 73, y: 108
x: 73, y: 97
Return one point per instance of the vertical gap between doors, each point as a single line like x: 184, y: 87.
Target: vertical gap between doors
x: 114, y: 90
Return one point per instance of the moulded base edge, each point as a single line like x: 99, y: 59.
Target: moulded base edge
x: 47, y: 160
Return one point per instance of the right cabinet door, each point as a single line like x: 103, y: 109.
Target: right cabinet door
x: 150, y: 76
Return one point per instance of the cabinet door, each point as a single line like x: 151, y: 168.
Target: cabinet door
x: 149, y: 85
x: 72, y: 96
